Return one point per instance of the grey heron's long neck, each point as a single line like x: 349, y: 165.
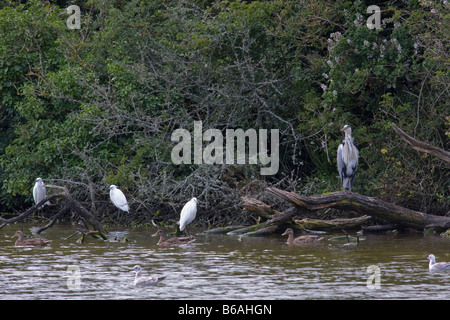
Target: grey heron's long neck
x: 348, y: 136
x: 348, y: 140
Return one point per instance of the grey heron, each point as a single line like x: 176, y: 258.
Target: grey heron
x: 347, y: 159
x: 188, y: 214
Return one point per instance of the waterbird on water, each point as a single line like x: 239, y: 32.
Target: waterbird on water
x: 299, y: 240
x: 163, y: 241
x: 437, y: 266
x: 141, y: 281
x: 118, y: 198
x: 37, y: 242
x: 188, y: 214
x: 347, y: 159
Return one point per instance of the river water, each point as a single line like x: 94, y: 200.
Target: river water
x: 386, y: 266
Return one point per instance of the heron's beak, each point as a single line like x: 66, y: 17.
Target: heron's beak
x: 156, y: 234
x: 342, y: 129
x: 284, y: 234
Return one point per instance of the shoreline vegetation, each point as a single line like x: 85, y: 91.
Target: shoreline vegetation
x: 98, y: 106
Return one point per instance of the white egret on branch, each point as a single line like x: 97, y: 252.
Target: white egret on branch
x: 188, y: 214
x: 39, y: 192
x: 347, y: 159
x: 118, y: 198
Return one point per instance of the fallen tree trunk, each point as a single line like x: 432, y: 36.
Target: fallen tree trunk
x: 259, y: 207
x: 278, y: 221
x: 331, y: 225
x: 364, y: 205
x: 368, y: 206
x: 269, y: 226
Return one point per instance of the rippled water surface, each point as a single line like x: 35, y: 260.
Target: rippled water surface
x: 222, y: 267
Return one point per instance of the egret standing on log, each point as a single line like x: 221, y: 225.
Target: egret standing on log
x: 188, y: 214
x: 347, y: 159
x: 39, y: 192
x: 118, y: 198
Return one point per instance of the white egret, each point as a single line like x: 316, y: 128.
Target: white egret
x: 347, y: 159
x: 188, y: 214
x: 437, y: 266
x: 39, y: 192
x: 141, y: 281
x: 118, y: 198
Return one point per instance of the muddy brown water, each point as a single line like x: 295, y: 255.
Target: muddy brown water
x: 384, y: 266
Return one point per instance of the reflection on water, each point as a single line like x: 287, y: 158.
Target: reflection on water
x: 222, y: 267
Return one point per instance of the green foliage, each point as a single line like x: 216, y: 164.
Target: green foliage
x: 100, y: 104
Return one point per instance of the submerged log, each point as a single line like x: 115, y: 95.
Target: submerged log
x: 380, y: 228
x: 223, y: 230
x: 364, y: 205
x: 331, y: 225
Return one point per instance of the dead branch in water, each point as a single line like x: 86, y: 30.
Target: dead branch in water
x: 364, y: 205
x: 70, y: 205
x: 367, y: 206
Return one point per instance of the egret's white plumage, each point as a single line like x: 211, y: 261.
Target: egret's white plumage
x: 188, y: 213
x: 118, y: 198
x: 141, y: 281
x: 347, y: 159
x: 39, y: 192
x: 437, y: 266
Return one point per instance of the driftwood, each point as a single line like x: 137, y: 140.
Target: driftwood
x: 267, y: 227
x: 368, y: 207
x: 331, y: 225
x: 91, y: 226
x: 423, y: 146
x: 258, y: 207
x: 365, y: 205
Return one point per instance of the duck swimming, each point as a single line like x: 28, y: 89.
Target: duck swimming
x: 299, y: 240
x: 141, y: 281
x: 37, y: 242
x: 171, y: 241
x: 437, y: 266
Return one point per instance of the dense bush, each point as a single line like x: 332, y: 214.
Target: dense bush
x: 97, y: 106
